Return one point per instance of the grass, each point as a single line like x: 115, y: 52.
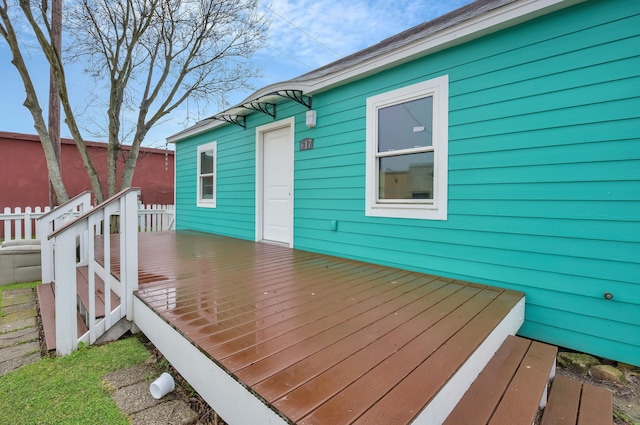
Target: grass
x: 69, y: 390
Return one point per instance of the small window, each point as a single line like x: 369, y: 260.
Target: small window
x: 207, y: 156
x: 407, y: 132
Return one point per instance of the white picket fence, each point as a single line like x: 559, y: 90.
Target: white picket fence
x: 21, y: 224
x: 156, y: 218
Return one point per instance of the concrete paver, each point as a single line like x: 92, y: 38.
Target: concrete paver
x: 15, y: 364
x: 19, y: 333
x: 17, y: 296
x: 18, y: 315
x: 131, y: 394
x: 18, y: 337
x: 134, y: 398
x: 29, y: 322
x: 14, y: 308
x: 125, y: 377
x: 175, y: 412
x: 19, y: 350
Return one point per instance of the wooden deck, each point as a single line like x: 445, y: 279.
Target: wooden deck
x: 318, y: 339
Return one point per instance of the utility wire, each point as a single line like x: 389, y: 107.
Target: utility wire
x: 289, y: 56
x: 301, y: 30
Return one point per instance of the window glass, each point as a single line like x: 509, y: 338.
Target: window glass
x: 406, y: 125
x: 206, y: 162
x: 206, y: 187
x: 406, y: 176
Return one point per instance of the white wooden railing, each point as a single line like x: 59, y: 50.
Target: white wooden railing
x: 19, y: 223
x: 83, y: 230
x: 54, y: 220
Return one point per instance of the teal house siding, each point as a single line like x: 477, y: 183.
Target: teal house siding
x: 543, y: 181
x: 234, y: 214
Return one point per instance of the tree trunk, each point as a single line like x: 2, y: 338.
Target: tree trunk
x: 132, y: 159
x: 32, y: 104
x: 57, y: 69
x: 54, y: 98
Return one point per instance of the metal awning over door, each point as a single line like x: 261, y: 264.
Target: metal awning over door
x: 267, y: 104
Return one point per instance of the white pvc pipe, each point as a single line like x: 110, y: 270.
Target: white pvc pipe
x: 162, y: 386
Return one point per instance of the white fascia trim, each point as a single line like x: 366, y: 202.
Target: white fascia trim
x: 195, y: 130
x: 492, y: 21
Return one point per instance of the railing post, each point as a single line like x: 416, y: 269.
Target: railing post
x: 43, y: 228
x: 50, y: 222
x: 65, y: 290
x: 129, y: 249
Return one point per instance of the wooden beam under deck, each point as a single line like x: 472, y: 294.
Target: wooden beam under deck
x: 319, y: 339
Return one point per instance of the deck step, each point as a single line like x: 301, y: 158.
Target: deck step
x: 572, y: 402
x: 47, y: 303
x: 46, y: 300
x: 512, y: 387
x: 82, y: 274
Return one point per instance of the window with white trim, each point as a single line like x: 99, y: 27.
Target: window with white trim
x: 207, y: 156
x: 407, y: 138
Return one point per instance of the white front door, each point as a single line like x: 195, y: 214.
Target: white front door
x: 277, y: 185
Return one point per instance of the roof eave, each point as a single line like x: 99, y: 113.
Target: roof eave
x: 495, y: 20
x: 475, y: 27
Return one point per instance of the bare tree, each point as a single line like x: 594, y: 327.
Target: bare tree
x: 151, y: 56
x: 8, y: 32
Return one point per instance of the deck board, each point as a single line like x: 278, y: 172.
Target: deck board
x: 82, y: 274
x: 595, y: 406
x: 321, y: 339
x: 46, y: 301
x: 423, y: 383
x: 519, y: 405
x: 378, y: 364
x: 485, y: 393
x: 562, y: 408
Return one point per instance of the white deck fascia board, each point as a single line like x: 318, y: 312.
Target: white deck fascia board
x: 230, y: 399
x: 443, y: 403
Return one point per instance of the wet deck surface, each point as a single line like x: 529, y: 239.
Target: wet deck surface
x: 324, y: 340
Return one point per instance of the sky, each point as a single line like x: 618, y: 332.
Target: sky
x: 303, y: 35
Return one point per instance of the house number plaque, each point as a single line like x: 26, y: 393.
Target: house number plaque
x: 306, y: 144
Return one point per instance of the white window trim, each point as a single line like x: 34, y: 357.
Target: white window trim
x: 436, y: 210
x: 207, y: 203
